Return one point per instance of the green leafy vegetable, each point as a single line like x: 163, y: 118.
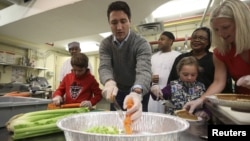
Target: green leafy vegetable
x: 103, y: 130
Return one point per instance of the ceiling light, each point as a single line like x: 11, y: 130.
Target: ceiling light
x: 88, y: 46
x: 105, y: 34
x: 179, y: 7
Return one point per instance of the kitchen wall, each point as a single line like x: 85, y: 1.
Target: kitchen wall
x: 51, y: 59
x: 45, y: 63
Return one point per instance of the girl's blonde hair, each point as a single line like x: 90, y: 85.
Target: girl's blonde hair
x: 239, y: 13
x: 190, y: 60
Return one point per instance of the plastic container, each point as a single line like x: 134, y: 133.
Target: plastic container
x: 10, y: 106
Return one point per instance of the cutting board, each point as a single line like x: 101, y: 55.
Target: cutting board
x: 238, y: 116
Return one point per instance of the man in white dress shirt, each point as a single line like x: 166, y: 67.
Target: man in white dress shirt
x: 74, y: 48
x: 162, y: 62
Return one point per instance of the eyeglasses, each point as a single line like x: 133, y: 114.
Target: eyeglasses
x: 200, y: 38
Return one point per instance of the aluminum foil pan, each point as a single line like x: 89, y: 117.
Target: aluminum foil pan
x: 236, y: 104
x: 151, y: 126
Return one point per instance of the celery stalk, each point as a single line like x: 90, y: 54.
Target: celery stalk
x: 39, y: 122
x: 36, y: 131
x: 56, y: 111
x: 30, y: 125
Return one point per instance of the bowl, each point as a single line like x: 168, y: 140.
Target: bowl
x: 151, y: 126
x: 197, y: 128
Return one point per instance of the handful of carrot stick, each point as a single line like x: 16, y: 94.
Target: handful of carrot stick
x: 19, y: 94
x: 127, y: 121
x: 71, y: 105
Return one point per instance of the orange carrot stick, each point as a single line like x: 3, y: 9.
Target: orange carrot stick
x: 52, y: 106
x: 22, y: 94
x: 71, y: 105
x: 12, y: 92
x: 127, y: 121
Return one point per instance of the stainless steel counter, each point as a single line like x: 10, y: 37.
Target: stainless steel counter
x: 6, y: 136
x: 192, y: 134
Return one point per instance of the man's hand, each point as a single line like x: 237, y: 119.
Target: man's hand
x: 244, y: 81
x: 86, y: 103
x: 156, y: 90
x: 110, y: 89
x: 136, y: 110
x: 194, y: 104
x: 155, y: 78
x: 57, y: 100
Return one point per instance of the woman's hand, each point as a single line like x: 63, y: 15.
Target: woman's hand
x: 244, y: 81
x: 194, y: 104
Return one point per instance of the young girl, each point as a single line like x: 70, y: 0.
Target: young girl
x: 186, y: 88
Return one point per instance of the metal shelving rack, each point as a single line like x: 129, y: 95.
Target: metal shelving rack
x: 21, y: 66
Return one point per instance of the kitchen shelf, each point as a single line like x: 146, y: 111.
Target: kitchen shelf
x: 20, y: 66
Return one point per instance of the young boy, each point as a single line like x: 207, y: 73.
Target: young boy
x: 79, y: 86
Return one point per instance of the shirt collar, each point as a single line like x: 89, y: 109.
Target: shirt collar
x: 117, y: 42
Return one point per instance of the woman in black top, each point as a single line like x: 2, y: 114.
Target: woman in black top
x: 200, y: 43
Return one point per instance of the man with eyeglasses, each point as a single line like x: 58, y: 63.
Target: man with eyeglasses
x: 74, y: 47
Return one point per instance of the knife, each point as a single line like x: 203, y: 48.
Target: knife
x: 118, y: 108
x: 167, y: 103
x: 120, y: 113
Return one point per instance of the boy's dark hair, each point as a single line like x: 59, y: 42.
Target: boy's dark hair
x: 170, y: 35
x: 80, y: 60
x: 119, y: 6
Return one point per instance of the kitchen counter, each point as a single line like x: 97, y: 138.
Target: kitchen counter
x: 228, y: 116
x: 6, y: 136
x: 190, y: 135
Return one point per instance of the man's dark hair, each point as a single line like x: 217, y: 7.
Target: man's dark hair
x: 119, y: 6
x: 170, y: 35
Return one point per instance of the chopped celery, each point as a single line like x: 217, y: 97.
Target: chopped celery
x: 103, y: 130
